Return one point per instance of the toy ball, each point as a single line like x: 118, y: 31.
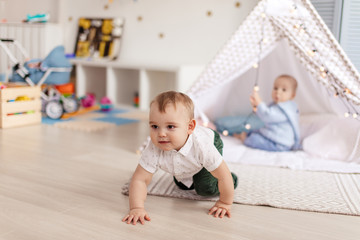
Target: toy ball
x: 106, y: 104
x: 88, y: 100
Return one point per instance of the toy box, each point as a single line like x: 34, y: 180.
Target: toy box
x: 19, y: 105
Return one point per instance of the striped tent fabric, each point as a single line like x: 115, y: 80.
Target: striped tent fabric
x: 298, y: 24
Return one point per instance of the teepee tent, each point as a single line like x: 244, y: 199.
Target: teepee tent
x: 279, y: 37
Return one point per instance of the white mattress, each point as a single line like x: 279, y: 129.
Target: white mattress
x: 235, y: 152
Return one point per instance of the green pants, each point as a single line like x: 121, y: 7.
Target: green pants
x: 204, y: 183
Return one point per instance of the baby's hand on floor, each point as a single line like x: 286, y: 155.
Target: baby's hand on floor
x: 220, y: 210
x: 135, y: 215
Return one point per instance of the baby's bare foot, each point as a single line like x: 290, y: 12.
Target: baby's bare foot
x: 242, y: 136
x: 236, y: 135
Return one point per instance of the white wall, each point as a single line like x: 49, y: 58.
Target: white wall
x: 190, y: 36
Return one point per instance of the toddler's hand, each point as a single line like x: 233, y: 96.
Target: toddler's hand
x: 255, y: 99
x: 135, y: 215
x: 220, y: 209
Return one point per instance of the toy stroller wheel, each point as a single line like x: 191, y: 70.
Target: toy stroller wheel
x: 54, y: 110
x: 70, y: 105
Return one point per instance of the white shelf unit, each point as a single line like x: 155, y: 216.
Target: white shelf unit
x: 120, y: 81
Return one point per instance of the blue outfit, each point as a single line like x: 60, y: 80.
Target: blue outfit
x: 281, y: 130
x: 236, y: 124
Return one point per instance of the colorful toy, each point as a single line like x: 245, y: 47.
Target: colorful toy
x: 66, y: 88
x: 136, y: 99
x: 106, y: 104
x: 2, y: 86
x: 88, y: 100
x: 56, y: 104
x: 22, y: 98
x: 42, y: 18
x: 53, y: 69
x: 80, y: 111
x: 99, y: 37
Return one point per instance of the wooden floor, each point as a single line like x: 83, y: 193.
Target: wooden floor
x: 64, y: 184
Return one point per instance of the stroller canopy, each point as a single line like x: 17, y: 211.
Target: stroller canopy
x: 55, y: 59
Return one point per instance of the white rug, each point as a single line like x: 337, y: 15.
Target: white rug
x: 325, y: 192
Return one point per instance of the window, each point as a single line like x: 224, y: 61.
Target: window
x: 343, y: 19
x: 350, y: 31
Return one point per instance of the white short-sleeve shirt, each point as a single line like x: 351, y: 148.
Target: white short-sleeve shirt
x: 198, y: 152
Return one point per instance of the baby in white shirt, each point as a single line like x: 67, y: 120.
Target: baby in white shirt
x: 191, y: 153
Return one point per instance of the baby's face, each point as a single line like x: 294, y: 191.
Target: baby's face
x: 169, y: 130
x: 283, y: 90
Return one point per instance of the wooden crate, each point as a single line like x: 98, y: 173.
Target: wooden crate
x: 21, y: 112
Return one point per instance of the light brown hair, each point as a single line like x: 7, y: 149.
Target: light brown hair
x: 172, y: 97
x: 291, y: 79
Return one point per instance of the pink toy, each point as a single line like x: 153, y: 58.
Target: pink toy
x: 88, y: 100
x: 106, y: 104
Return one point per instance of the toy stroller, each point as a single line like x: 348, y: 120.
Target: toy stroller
x: 54, y: 69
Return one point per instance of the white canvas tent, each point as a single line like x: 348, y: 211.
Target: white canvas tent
x: 287, y: 37
x: 281, y: 37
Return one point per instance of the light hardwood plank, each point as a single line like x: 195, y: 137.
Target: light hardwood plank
x: 64, y: 184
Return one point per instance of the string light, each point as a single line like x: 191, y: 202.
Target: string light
x: 328, y: 79
x: 310, y: 53
x: 256, y: 66
x: 225, y: 132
